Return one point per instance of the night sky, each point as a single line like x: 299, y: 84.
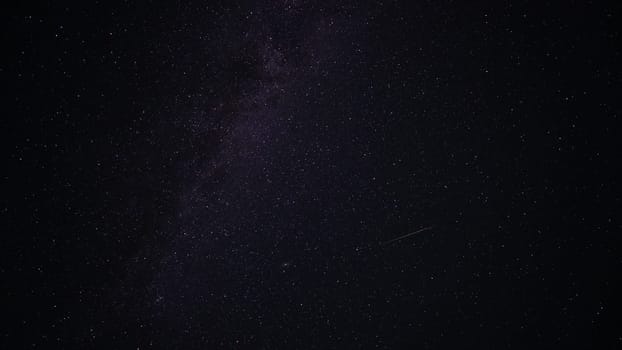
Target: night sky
x: 246, y: 175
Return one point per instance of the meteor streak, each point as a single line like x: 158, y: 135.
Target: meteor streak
x: 407, y: 235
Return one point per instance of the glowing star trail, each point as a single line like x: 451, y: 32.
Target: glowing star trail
x: 407, y: 235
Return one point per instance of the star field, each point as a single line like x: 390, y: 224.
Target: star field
x: 247, y: 174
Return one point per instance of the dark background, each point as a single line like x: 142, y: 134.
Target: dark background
x: 222, y: 174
